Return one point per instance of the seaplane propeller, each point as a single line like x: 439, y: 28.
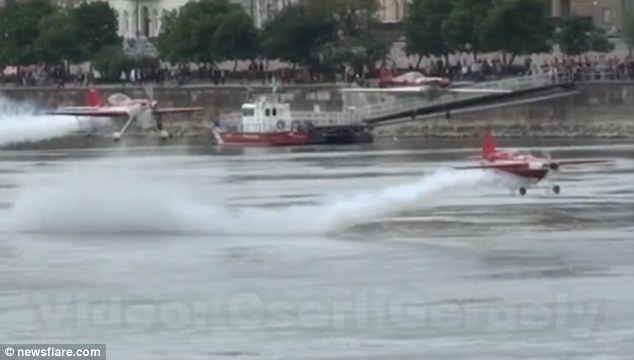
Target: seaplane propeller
x: 147, y: 116
x: 553, y: 165
x: 276, y: 86
x: 249, y: 92
x: 154, y: 114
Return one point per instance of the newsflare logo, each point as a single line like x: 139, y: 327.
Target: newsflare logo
x: 56, y: 351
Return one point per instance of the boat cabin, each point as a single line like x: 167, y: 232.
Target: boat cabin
x: 265, y: 115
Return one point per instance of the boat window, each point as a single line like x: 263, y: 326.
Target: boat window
x: 267, y: 112
x: 248, y: 112
x: 274, y: 112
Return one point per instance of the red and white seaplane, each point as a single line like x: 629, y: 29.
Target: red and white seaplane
x: 415, y: 82
x: 526, y: 169
x: 146, y: 111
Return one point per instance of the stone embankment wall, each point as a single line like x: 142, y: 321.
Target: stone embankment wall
x: 593, y: 110
x: 597, y: 110
x: 215, y: 100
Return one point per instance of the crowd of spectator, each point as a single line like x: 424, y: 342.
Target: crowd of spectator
x: 587, y: 69
x: 582, y: 68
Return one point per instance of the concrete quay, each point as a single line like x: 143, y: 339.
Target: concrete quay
x: 590, y: 109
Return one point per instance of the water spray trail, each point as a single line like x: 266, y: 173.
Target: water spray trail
x: 367, y: 207
x: 20, y: 123
x: 98, y: 204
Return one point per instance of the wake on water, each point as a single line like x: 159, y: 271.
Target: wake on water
x: 99, y: 203
x: 19, y: 123
x: 103, y: 203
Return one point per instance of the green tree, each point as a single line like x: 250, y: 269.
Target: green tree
x: 295, y: 35
x: 193, y: 34
x: 517, y: 27
x: 600, y: 41
x: 461, y: 27
x: 236, y: 38
x: 172, y: 44
x: 577, y: 35
x: 168, y: 19
x: 60, y: 39
x: 97, y: 22
x: 424, y: 28
x: 19, y: 23
x: 352, y: 18
x: 353, y: 42
x: 573, y: 35
x: 111, y: 61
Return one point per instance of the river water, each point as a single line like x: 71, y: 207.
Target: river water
x: 190, y: 251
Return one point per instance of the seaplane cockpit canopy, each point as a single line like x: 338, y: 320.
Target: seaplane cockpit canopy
x: 521, y: 153
x: 117, y: 99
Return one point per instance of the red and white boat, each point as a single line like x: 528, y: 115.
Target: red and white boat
x: 265, y: 121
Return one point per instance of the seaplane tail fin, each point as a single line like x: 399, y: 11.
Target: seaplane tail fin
x: 93, y: 98
x: 488, y: 144
x: 385, y: 76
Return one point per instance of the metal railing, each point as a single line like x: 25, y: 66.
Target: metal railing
x: 231, y: 118
x: 602, y: 75
x: 400, y: 104
x: 326, y: 118
x: 409, y: 104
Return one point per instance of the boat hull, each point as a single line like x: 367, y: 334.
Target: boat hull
x: 278, y: 138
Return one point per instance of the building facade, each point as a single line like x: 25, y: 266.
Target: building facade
x: 605, y: 14
x: 135, y: 17
x: 143, y: 17
x: 392, y: 11
x: 263, y: 11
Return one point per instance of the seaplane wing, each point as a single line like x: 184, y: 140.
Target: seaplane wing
x: 536, y: 164
x: 499, y: 166
x: 178, y: 110
x: 92, y: 111
x: 581, y: 161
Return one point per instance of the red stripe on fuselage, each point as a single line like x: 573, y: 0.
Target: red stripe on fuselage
x: 523, y: 170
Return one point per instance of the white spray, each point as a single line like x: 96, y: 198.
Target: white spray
x: 20, y: 123
x: 107, y: 203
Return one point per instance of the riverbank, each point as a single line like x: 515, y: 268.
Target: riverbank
x: 590, y: 110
